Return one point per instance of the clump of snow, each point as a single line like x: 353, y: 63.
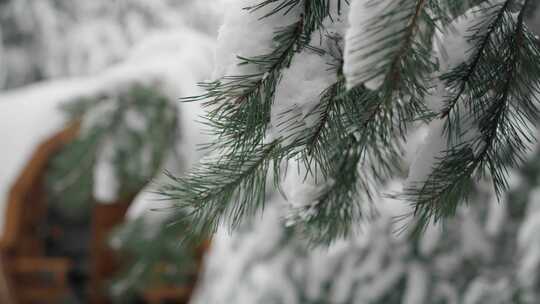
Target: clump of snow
x: 299, y: 92
x: 428, y: 155
x: 237, y: 36
x: 301, y: 188
x: 415, y: 138
x: 106, y: 185
x: 362, y: 41
x: 304, y: 81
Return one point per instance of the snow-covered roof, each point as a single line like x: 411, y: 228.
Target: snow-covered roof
x: 31, y: 115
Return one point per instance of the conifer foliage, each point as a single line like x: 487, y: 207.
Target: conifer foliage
x: 123, y: 141
x: 471, y: 69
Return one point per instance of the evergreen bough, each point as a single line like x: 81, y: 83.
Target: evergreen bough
x: 136, y: 128
x: 356, y: 143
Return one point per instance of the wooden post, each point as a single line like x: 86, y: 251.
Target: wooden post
x: 104, y: 261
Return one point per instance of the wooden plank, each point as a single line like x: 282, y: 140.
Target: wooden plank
x: 6, y: 289
x: 157, y: 295
x: 30, y: 173
x: 104, y: 260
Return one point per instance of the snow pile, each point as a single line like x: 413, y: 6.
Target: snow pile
x: 362, y: 40
x: 462, y: 262
x: 237, y: 36
x: 304, y: 81
x: 298, y: 94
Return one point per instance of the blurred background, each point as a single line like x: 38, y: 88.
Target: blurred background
x: 89, y: 115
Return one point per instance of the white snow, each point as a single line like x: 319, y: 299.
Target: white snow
x: 496, y: 215
x: 298, y: 93
x: 529, y: 243
x: 247, y: 247
x: 473, y: 237
x: 362, y: 40
x: 300, y: 188
x: 135, y: 120
x: 106, y: 185
x: 428, y: 155
x: 303, y: 82
x: 417, y: 284
x: 430, y: 239
x: 237, y: 36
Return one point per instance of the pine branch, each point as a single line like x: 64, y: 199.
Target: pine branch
x: 468, y: 70
x: 337, y: 143
x: 105, y: 120
x: 222, y: 190
x: 241, y: 104
x: 232, y: 185
x: 354, y: 136
x: 448, y: 11
x: 391, y: 52
x: 355, y: 158
x: 501, y: 102
x: 339, y: 205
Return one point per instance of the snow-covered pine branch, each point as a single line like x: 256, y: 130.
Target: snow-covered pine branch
x: 265, y: 109
x: 337, y: 113
x: 486, y: 106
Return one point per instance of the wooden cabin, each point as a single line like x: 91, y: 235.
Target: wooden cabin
x: 28, y: 274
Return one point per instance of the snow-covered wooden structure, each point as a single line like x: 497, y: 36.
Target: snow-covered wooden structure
x: 27, y: 273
